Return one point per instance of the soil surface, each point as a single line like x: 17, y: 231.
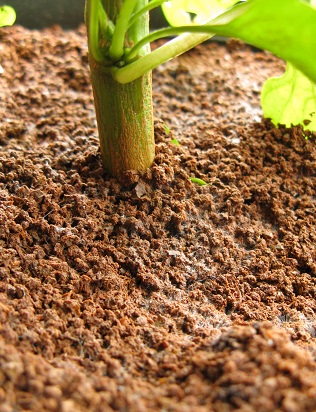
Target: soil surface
x: 153, y: 293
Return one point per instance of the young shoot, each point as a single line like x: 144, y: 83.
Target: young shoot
x: 198, y: 181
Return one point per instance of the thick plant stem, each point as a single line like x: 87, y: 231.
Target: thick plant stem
x: 123, y: 111
x: 125, y: 121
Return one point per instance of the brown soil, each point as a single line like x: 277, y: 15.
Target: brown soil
x: 153, y: 293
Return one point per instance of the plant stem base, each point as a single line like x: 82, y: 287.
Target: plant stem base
x: 125, y: 121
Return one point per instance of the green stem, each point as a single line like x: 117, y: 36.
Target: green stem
x: 121, y: 26
x: 123, y: 111
x: 124, y: 114
x: 106, y: 26
x: 171, y: 49
x: 92, y: 10
x: 159, y: 34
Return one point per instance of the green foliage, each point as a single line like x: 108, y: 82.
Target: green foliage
x: 185, y: 12
x: 290, y: 99
x: 198, y: 181
x: 7, y: 16
x: 175, y: 142
x: 287, y: 28
x: 167, y: 130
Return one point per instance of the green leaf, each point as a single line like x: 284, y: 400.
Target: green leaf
x: 290, y: 99
x: 175, y: 142
x: 198, y: 181
x: 286, y: 28
x: 184, y: 12
x: 167, y: 130
x: 7, y: 16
